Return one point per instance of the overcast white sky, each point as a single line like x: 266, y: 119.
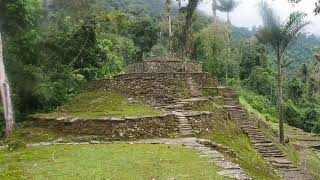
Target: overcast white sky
x: 246, y: 14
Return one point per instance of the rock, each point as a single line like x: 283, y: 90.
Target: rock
x: 94, y: 142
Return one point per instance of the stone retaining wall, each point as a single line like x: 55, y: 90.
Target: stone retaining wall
x: 128, y: 128
x: 169, y: 66
x: 201, y: 122
x: 162, y: 86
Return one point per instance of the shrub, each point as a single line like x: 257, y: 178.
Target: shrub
x: 16, y: 144
x: 262, y: 81
x: 294, y: 116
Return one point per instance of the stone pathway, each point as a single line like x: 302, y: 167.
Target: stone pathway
x: 263, y: 145
x: 185, y: 129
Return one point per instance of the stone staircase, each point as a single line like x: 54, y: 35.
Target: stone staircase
x: 181, y: 107
x: 194, y: 88
x: 260, y: 142
x: 185, y: 129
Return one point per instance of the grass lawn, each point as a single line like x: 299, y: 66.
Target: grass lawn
x: 115, y: 161
x: 102, y: 104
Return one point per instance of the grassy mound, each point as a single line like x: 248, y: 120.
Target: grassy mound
x: 114, y: 161
x: 101, y: 104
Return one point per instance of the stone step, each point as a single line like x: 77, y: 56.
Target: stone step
x: 264, y: 145
x: 235, y: 109
x: 183, y: 120
x: 231, y: 107
x: 272, y: 155
x: 185, y: 129
x: 231, y: 102
x: 284, y: 166
x: 186, y: 135
x: 230, y: 95
x: 273, y: 151
x: 240, y: 118
x: 184, y: 124
x: 279, y: 161
x: 238, y: 115
x: 256, y: 140
x: 260, y: 141
x: 251, y: 132
x: 251, y: 127
x: 267, y: 149
x: 257, y: 135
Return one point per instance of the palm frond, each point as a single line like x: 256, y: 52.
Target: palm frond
x: 227, y: 5
x: 271, y: 32
x: 291, y: 28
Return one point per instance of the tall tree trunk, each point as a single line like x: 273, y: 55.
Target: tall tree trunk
x: 169, y: 9
x: 46, y: 8
x: 214, y: 10
x: 229, y: 46
x: 191, y: 8
x: 5, y: 95
x: 280, y: 96
x: 228, y: 54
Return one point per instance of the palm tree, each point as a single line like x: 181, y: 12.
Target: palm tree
x: 5, y: 96
x: 179, y: 3
x: 227, y: 6
x: 279, y: 35
x: 169, y: 11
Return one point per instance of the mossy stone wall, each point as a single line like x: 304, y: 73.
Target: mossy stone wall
x: 158, y: 86
x: 113, y: 128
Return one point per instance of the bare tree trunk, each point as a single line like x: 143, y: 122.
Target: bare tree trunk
x: 5, y: 94
x: 280, y: 97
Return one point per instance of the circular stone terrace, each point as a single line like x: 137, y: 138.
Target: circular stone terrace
x: 154, y: 99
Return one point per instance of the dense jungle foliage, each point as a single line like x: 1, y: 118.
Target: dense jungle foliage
x: 52, y: 48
